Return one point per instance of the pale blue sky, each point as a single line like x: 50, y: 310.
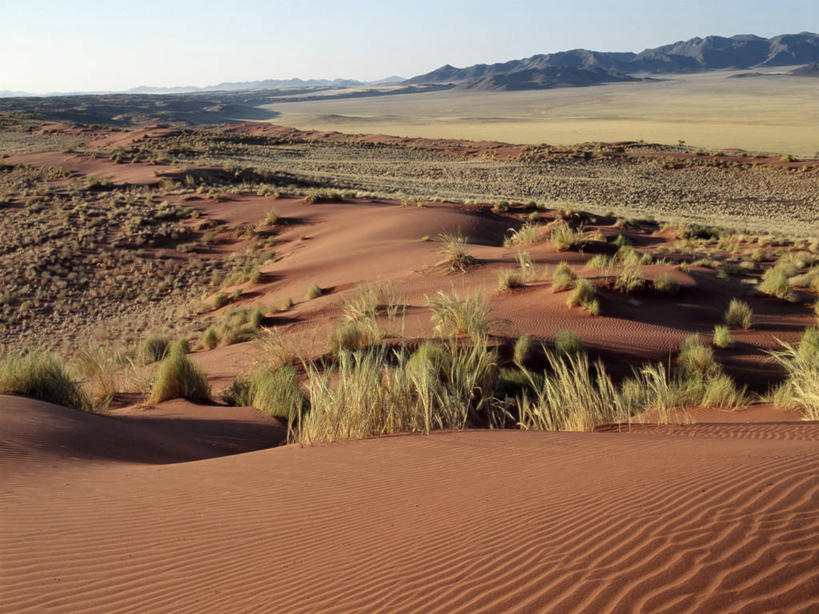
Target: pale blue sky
x: 67, y: 45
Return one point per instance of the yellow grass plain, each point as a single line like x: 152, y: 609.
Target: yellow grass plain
x: 762, y: 114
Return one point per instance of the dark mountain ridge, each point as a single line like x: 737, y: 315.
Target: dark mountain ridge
x: 694, y: 55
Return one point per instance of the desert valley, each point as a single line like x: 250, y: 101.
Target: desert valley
x: 538, y: 336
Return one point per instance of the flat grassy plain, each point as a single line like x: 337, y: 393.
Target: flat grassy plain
x: 772, y: 113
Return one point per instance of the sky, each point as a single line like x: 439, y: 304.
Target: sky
x: 81, y: 45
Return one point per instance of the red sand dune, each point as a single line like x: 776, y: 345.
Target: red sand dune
x: 481, y: 521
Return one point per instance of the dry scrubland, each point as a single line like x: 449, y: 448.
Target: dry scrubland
x: 225, y: 289
x: 710, y: 110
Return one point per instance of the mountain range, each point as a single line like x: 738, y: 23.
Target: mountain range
x: 573, y: 68
x: 585, y: 67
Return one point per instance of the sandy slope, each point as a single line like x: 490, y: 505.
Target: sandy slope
x: 455, y: 522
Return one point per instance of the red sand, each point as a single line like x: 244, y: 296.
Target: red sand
x: 481, y: 521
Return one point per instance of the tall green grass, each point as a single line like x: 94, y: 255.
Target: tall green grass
x: 800, y: 390
x: 41, y: 376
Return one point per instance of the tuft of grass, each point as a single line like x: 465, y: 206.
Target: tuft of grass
x: 40, y: 376
x: 563, y: 237
x: 271, y: 218
x: 775, y: 282
x: 800, y: 390
x: 739, y: 315
x: 697, y: 360
x: 523, y: 349
x: 567, y: 342
x: 453, y: 316
x: 376, y: 391
x: 525, y: 235
x: 629, y: 279
x: 274, y: 390
x: 348, y: 336
x: 210, y: 338
x: 454, y: 254
x: 572, y: 395
x: 179, y: 378
x: 563, y: 277
x: 154, y: 348
x: 666, y: 284
x: 99, y: 367
x: 583, y: 296
x: 509, y: 279
x: 314, y: 291
x: 220, y: 300
x: 722, y: 336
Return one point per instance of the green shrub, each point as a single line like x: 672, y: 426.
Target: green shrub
x: 722, y: 336
x: 567, y: 342
x: 41, y: 376
x: 178, y: 377
x: 739, y: 315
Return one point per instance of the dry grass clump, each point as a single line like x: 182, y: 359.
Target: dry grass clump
x: 525, y: 235
x: 739, y: 315
x: 563, y: 237
x: 775, y: 282
x: 697, y: 360
x: 567, y: 342
x: 563, y: 277
x: 179, y: 378
x: 453, y: 316
x: 572, y: 395
x: 629, y: 279
x: 584, y: 295
x: 99, y: 366
x: 455, y: 257
x: 41, y: 376
x: 722, y: 336
x: 376, y: 392
x: 509, y: 279
x: 314, y: 291
x: 154, y: 348
x: 800, y: 390
x: 237, y: 326
x: 666, y: 284
x: 274, y: 390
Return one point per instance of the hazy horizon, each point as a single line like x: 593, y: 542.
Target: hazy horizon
x: 118, y: 46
